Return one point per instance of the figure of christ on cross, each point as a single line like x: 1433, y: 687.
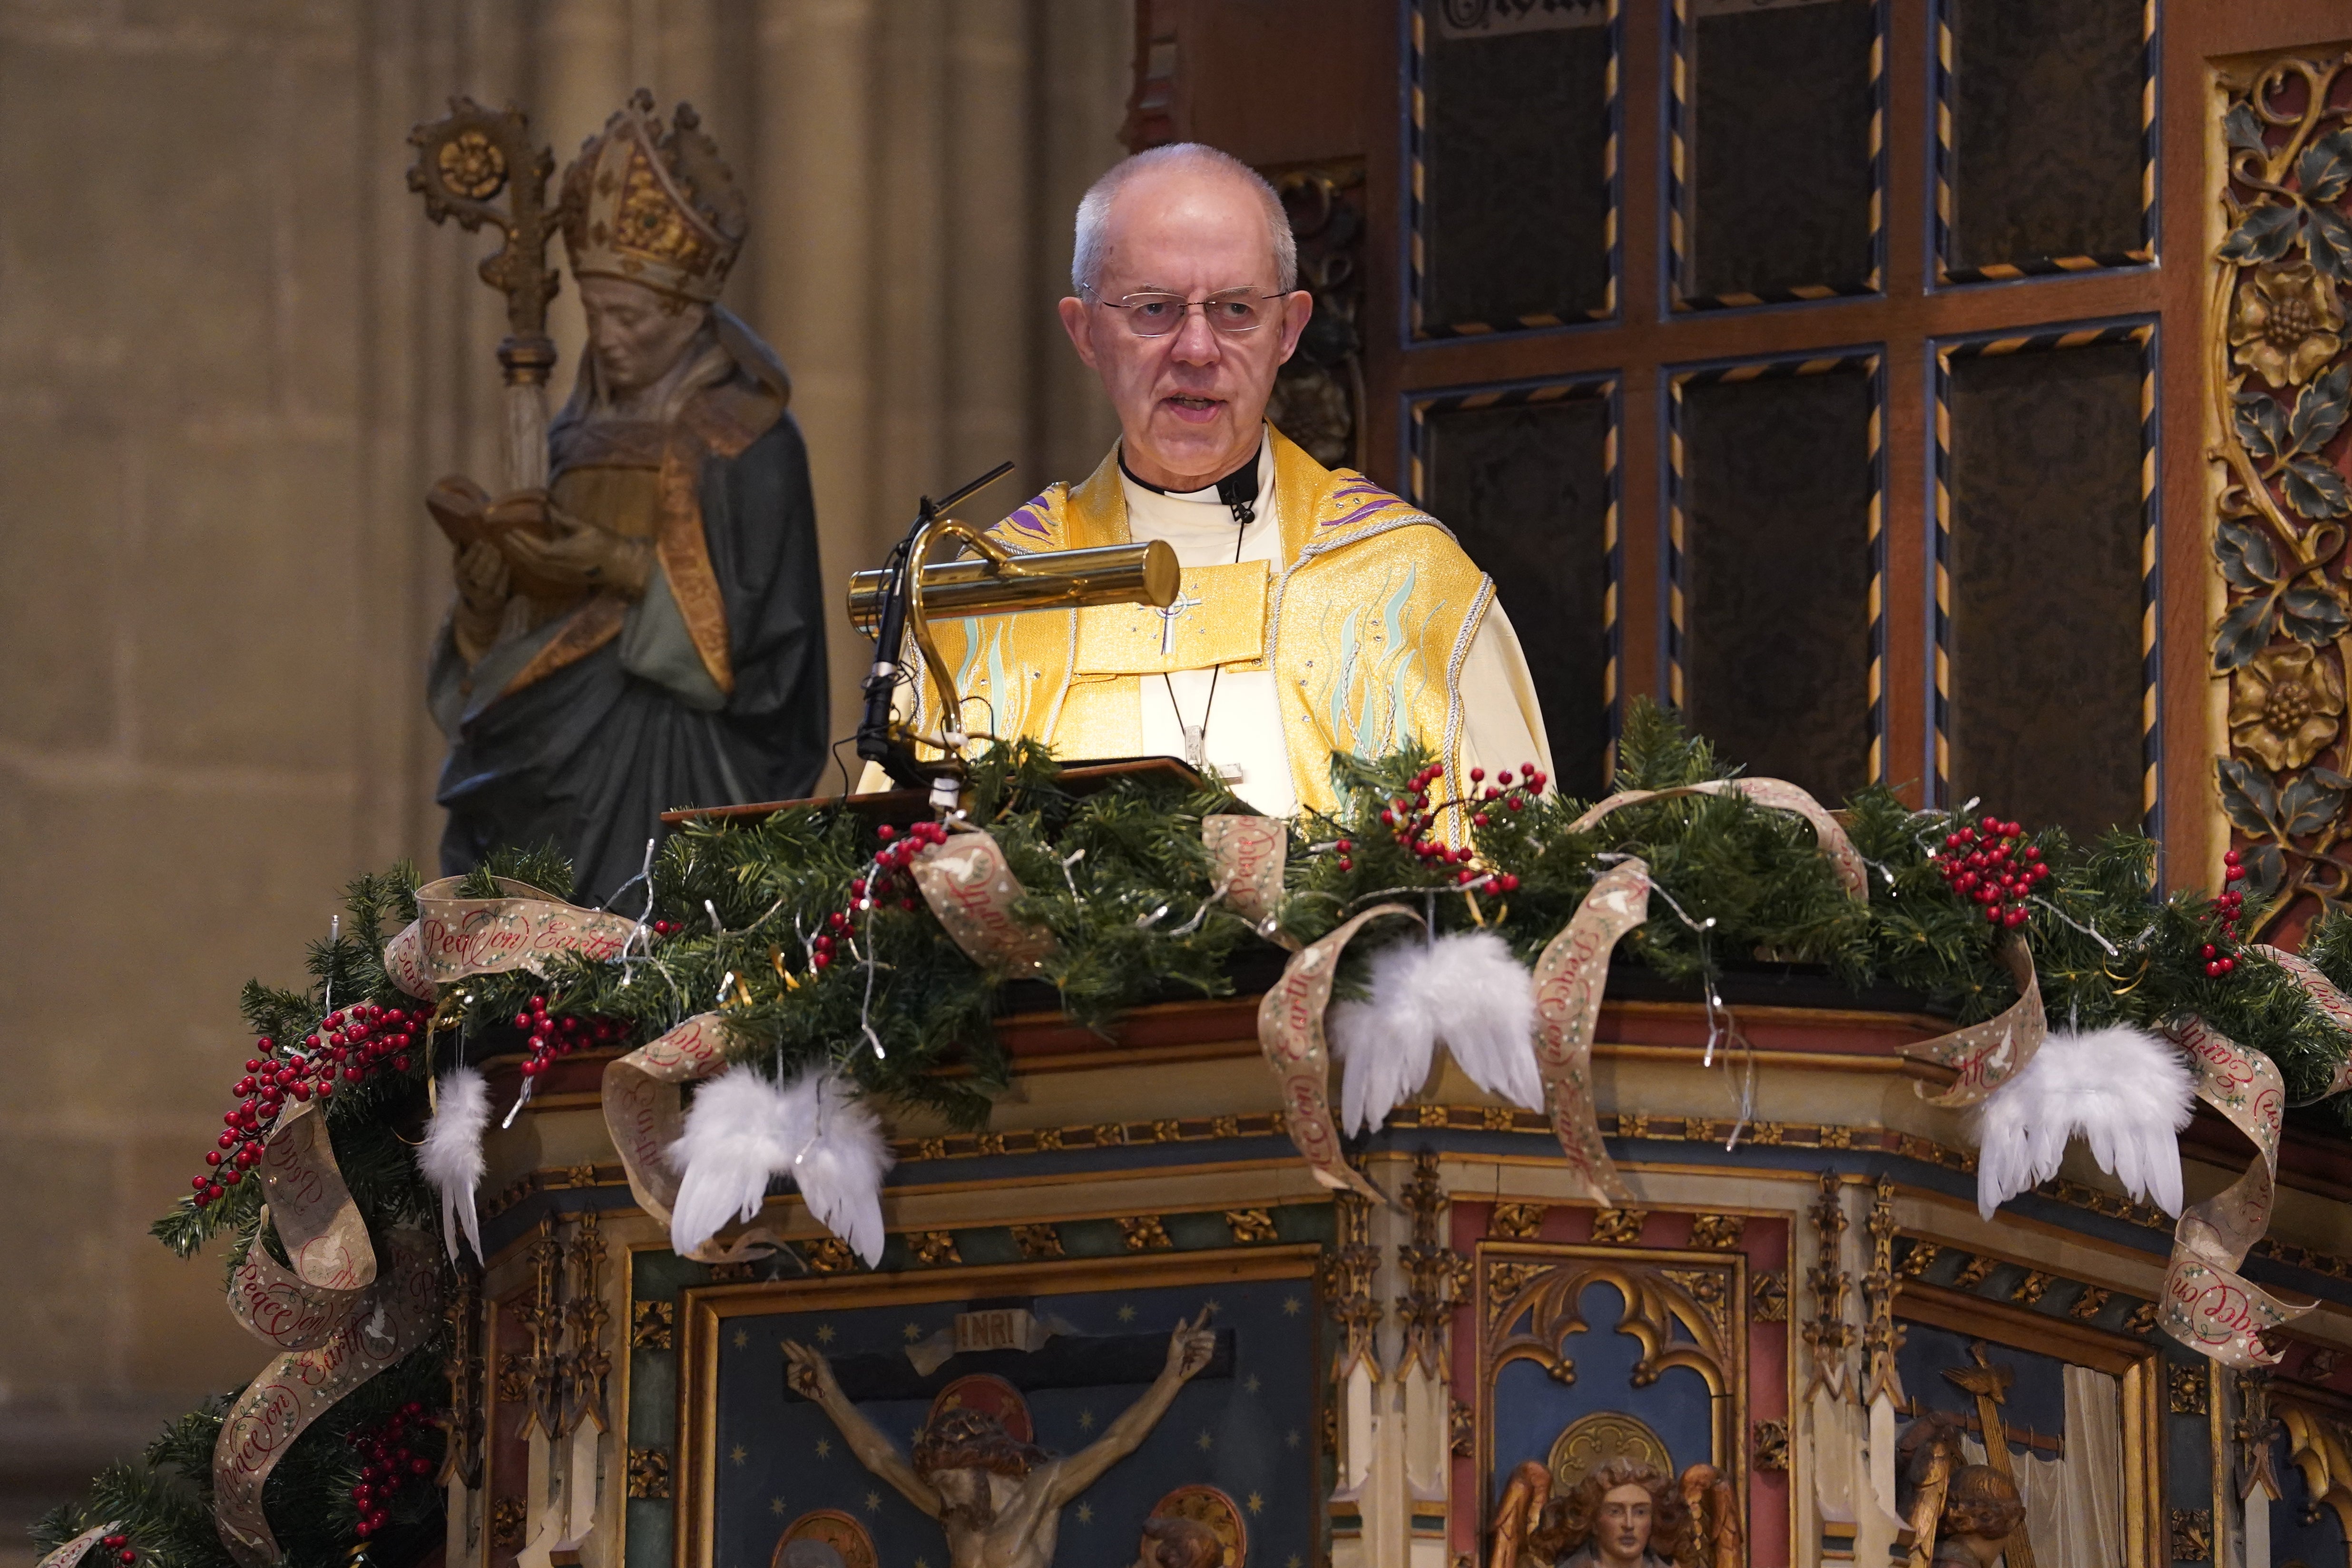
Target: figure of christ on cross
x: 999, y: 1501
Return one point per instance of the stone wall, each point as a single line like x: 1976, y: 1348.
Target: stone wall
x: 232, y: 355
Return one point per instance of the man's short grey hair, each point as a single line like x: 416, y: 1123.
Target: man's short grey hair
x: 1094, y: 210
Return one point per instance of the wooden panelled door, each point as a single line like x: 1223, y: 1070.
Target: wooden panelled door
x: 1949, y: 392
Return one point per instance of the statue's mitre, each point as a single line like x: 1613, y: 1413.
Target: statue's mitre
x: 653, y: 207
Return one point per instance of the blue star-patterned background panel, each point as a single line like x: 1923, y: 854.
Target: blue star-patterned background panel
x: 1247, y: 1425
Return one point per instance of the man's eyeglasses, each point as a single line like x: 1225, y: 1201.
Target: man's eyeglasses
x: 1155, y: 315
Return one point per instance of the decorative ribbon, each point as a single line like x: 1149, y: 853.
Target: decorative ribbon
x: 293, y: 1391
x: 325, y: 1238
x: 1290, y: 1032
x: 645, y: 1113
x: 72, y: 1551
x: 971, y: 888
x: 2325, y: 997
x: 1246, y: 855
x: 452, y: 938
x: 1990, y: 1054
x: 2207, y: 1305
x: 1777, y: 794
x: 1570, y: 975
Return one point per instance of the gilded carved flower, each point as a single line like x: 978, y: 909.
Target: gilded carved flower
x: 2285, y: 706
x: 472, y: 165
x: 2287, y: 322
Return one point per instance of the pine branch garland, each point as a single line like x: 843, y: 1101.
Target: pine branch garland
x: 1120, y: 878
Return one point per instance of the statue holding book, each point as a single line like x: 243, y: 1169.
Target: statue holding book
x: 637, y: 624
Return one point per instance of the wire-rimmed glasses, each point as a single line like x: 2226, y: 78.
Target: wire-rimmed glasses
x: 1155, y: 315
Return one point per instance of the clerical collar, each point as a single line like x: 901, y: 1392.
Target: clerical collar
x: 1237, y: 490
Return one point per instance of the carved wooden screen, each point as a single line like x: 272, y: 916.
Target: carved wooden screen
x: 1844, y: 372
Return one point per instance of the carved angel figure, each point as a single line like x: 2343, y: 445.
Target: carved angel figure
x: 1625, y: 1514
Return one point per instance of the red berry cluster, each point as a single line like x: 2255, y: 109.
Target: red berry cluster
x: 356, y: 1043
x: 879, y: 886
x: 390, y: 1465
x: 120, y: 1546
x: 663, y: 927
x: 559, y: 1035
x: 2231, y: 907
x: 1992, y: 865
x: 1411, y: 819
x: 1514, y: 788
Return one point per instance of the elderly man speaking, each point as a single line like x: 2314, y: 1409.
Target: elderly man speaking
x: 1318, y: 613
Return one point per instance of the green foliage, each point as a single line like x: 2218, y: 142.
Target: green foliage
x: 164, y: 1497
x: 540, y: 866
x: 1121, y: 880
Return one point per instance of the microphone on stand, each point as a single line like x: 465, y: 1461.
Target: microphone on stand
x: 875, y: 743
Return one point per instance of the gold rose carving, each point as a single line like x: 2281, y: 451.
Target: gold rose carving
x: 2285, y: 322
x: 2285, y: 706
x: 2280, y: 378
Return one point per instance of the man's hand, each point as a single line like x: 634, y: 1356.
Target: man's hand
x: 575, y: 554
x: 810, y: 1375
x: 1191, y: 1347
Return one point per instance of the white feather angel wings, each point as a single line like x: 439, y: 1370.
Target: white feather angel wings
x: 745, y: 1128
x: 1465, y: 989
x: 2127, y: 1093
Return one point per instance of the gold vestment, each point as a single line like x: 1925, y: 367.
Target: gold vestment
x: 1365, y: 622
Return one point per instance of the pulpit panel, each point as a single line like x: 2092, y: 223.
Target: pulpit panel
x: 2047, y: 550
x: 1527, y: 478
x: 1516, y: 151
x: 1054, y: 1355
x: 1777, y: 129
x: 1774, y: 556
x: 2067, y: 185
x: 2307, y: 1477
x: 1586, y: 1336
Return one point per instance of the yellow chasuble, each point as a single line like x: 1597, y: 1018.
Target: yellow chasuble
x: 1365, y: 622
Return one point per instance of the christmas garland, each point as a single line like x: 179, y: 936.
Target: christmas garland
x: 804, y: 929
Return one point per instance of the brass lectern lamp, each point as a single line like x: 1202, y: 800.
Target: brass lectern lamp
x: 901, y: 598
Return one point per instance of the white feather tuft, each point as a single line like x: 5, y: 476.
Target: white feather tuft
x: 451, y: 1155
x: 1387, y: 1044
x: 840, y: 1172
x: 1484, y: 1002
x: 2125, y: 1091
x: 741, y: 1131
x: 1465, y: 989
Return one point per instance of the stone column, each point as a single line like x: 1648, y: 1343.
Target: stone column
x: 915, y: 255
x: 813, y: 251
x: 1082, y: 62
x: 679, y: 46
x: 986, y: 269
x: 583, y: 56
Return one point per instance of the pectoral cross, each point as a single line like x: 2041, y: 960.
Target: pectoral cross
x: 1170, y: 616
